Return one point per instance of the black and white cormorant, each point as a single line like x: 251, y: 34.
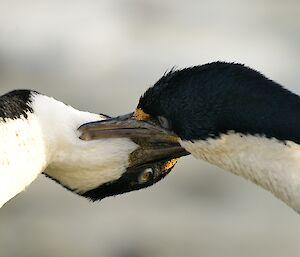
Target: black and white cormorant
x: 233, y: 117
x: 40, y: 134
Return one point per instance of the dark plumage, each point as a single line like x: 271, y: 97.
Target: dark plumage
x: 133, y: 179
x: 208, y: 100
x: 15, y: 104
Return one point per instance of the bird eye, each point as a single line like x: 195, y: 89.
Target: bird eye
x: 163, y: 122
x: 146, y: 175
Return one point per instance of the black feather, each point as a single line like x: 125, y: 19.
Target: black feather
x: 15, y: 104
x: 205, y: 101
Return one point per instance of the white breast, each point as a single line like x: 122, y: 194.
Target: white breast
x: 22, y: 155
x: 272, y: 164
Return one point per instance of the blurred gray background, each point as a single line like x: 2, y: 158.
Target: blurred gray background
x: 101, y: 56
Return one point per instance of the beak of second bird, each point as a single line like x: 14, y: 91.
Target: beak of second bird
x: 156, y: 143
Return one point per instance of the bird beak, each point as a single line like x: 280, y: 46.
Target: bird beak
x: 155, y: 142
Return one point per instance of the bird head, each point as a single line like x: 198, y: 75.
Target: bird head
x: 154, y: 157
x: 206, y: 101
x: 181, y: 105
x: 189, y: 102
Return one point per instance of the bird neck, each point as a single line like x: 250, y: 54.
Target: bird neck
x: 274, y: 165
x: 59, y: 123
x: 76, y: 164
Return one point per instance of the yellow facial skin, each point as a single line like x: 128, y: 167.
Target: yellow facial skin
x: 169, y: 164
x: 139, y: 114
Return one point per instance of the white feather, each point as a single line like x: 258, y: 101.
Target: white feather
x: 48, y: 140
x: 269, y: 163
x: 22, y: 155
